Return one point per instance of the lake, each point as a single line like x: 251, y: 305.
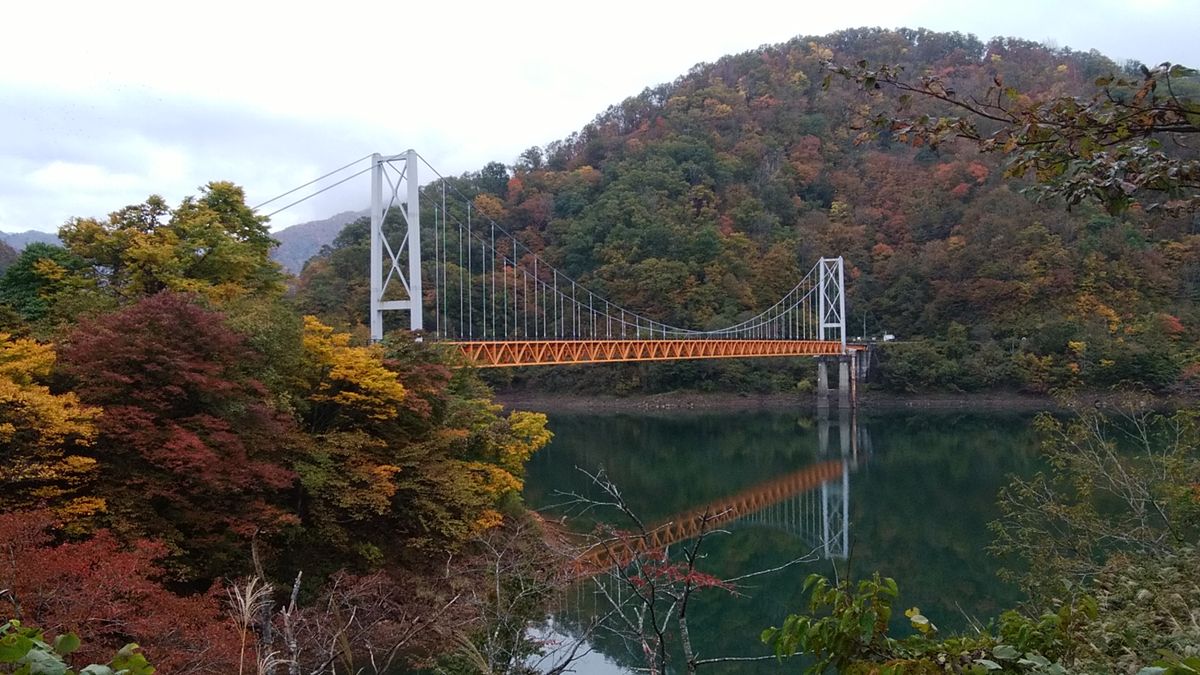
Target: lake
x: 907, y: 494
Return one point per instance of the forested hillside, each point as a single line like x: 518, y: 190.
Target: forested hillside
x: 699, y: 201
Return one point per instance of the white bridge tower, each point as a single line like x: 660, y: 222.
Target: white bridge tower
x: 395, y: 260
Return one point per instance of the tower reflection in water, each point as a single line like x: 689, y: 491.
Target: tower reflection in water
x: 810, y: 506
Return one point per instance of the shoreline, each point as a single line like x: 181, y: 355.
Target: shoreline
x: 722, y: 402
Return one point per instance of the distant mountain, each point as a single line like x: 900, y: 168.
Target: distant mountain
x: 300, y: 242
x: 297, y: 243
x: 19, y: 240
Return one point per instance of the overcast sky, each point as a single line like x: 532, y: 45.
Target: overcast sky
x: 104, y: 103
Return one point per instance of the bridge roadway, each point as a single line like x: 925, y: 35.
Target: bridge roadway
x: 621, y: 550
x: 509, y: 353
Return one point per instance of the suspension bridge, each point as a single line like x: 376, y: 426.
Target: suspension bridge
x: 465, y: 280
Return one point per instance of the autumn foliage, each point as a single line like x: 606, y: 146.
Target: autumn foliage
x: 110, y: 593
x: 46, y: 435
x: 191, y: 450
x: 168, y: 409
x: 212, y: 245
x: 347, y: 385
x: 169, y: 425
x: 698, y: 202
x: 409, y: 453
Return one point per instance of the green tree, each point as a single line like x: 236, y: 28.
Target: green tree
x: 212, y: 244
x: 333, y: 284
x: 1115, y: 487
x: 34, y: 280
x: 493, y: 179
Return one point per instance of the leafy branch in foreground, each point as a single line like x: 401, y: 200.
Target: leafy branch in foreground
x: 25, y: 651
x: 846, y: 628
x: 1110, y: 148
x: 1124, y: 486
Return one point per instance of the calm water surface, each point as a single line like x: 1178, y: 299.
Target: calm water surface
x: 910, y: 496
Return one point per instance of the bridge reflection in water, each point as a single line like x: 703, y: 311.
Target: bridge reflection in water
x: 810, y: 505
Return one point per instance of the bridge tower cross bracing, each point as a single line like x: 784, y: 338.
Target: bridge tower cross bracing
x: 831, y: 299
x: 383, y: 245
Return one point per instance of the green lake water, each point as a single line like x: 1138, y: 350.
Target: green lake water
x: 910, y: 497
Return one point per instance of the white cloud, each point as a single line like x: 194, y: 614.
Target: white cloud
x: 161, y: 97
x: 74, y: 177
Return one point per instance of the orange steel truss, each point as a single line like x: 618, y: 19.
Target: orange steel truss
x: 621, y: 551
x: 508, y: 353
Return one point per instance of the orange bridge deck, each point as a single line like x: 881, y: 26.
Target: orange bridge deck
x: 507, y: 353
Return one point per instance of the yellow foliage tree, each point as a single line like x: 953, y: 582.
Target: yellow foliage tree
x: 347, y: 383
x: 489, y: 206
x: 351, y: 470
x: 527, y: 433
x: 494, y: 450
x: 39, y: 431
x: 410, y: 459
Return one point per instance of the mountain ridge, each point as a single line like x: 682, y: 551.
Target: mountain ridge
x: 300, y: 242
x: 19, y: 240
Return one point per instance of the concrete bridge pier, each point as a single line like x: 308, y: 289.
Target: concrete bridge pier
x: 863, y: 359
x: 848, y: 371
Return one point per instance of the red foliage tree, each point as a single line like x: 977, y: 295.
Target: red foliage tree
x: 192, y: 451
x: 109, y: 596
